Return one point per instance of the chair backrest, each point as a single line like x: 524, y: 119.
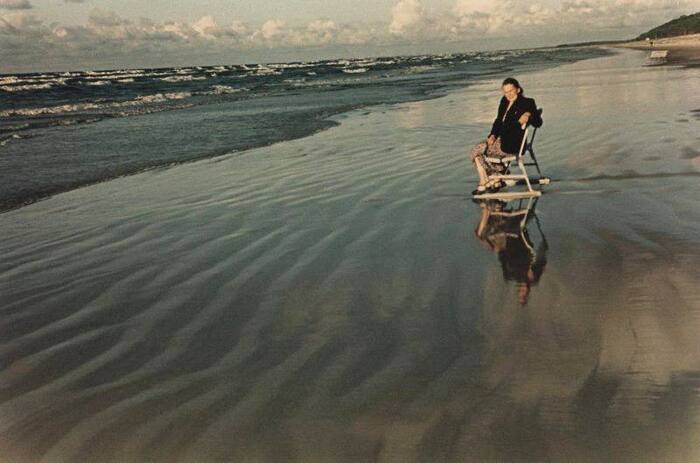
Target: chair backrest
x: 527, y: 144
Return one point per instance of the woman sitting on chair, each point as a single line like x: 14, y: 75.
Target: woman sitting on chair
x: 514, y: 112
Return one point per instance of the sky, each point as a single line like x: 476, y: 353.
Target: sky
x: 43, y: 35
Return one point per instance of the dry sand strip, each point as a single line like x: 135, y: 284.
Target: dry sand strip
x: 683, y: 50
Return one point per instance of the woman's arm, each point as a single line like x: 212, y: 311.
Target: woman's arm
x: 524, y: 118
x: 498, y: 122
x: 496, y: 128
x: 535, y: 119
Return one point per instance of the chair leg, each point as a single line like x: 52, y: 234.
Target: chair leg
x: 521, y: 165
x: 534, y: 159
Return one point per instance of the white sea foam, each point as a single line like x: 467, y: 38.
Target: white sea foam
x: 16, y: 127
x: 41, y: 82
x: 366, y: 63
x: 117, y: 72
x: 92, y: 106
x: 291, y: 65
x: 355, y: 70
x: 12, y: 80
x: 182, y: 78
x: 115, y: 76
x: 7, y: 140
x: 157, y: 98
x: 225, y: 89
x: 422, y: 68
x: 263, y: 70
x: 315, y: 83
x: 28, y: 87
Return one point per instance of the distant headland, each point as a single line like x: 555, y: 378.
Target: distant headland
x: 680, y: 36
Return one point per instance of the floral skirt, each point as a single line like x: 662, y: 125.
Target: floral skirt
x: 480, y: 153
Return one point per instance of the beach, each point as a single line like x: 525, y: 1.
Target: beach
x: 327, y: 299
x: 683, y: 50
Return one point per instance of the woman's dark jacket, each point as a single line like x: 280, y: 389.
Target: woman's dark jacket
x: 509, y: 129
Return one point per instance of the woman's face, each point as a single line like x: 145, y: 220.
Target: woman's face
x: 510, y: 91
x: 523, y: 293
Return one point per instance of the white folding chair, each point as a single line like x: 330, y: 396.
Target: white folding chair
x: 518, y: 160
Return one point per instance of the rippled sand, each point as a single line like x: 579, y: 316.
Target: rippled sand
x: 326, y: 299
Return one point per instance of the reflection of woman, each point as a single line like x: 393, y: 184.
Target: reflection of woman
x: 519, y: 264
x: 514, y: 111
x: 505, y: 233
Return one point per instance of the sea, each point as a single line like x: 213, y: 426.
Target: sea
x: 63, y: 130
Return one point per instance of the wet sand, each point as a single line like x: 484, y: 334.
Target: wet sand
x: 327, y: 299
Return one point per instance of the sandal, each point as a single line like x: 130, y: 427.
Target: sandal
x: 480, y: 189
x: 494, y: 185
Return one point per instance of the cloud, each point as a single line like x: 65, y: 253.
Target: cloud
x: 206, y: 27
x: 270, y: 30
x: 511, y: 18
x: 322, y: 31
x: 99, y: 19
x: 107, y: 39
x: 15, y: 4
x: 406, y: 16
x: 27, y: 42
x: 465, y: 7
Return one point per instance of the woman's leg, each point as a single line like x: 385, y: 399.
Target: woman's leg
x: 477, y: 157
x: 496, y: 152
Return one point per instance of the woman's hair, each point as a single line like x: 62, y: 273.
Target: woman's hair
x: 514, y: 83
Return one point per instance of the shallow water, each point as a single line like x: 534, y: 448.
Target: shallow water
x: 327, y: 299
x: 61, y: 131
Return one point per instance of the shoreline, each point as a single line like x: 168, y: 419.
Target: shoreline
x: 271, y: 130
x: 683, y: 50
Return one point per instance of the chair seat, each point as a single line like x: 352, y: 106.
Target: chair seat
x: 506, y: 196
x: 508, y: 177
x: 501, y: 160
x: 511, y: 214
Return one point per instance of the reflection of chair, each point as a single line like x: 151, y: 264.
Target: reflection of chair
x: 518, y: 160
x: 503, y: 229
x: 525, y: 213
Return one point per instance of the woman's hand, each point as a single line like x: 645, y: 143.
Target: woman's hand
x: 491, y: 140
x: 524, y: 118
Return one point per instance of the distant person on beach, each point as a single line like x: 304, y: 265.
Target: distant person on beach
x: 506, y: 236
x: 506, y: 136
